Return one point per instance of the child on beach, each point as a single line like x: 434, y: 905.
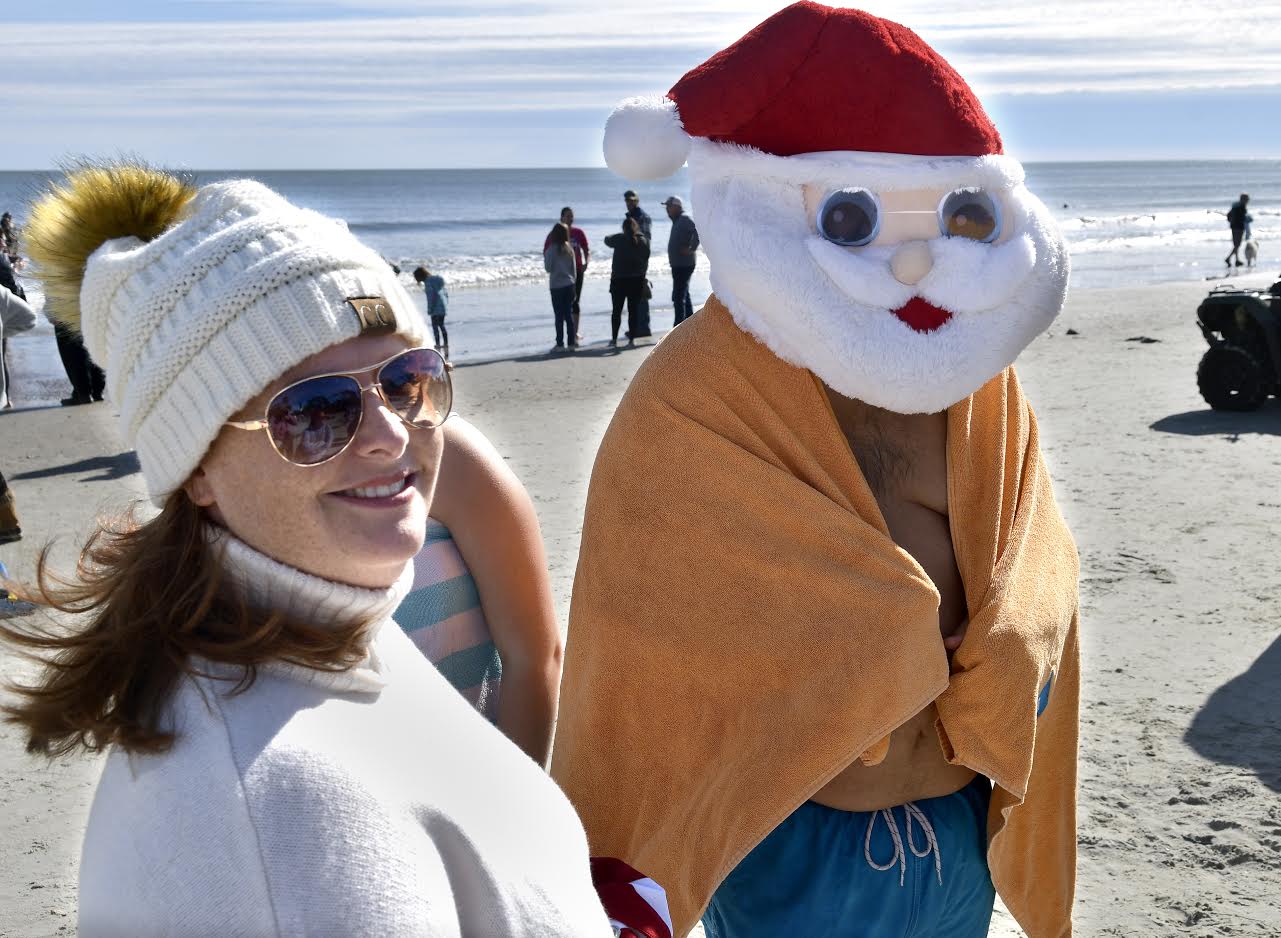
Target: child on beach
x: 281, y: 759
x: 437, y: 303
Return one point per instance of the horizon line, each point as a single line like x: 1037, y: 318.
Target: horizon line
x: 481, y: 169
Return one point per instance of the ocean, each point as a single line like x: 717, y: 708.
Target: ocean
x: 1127, y: 223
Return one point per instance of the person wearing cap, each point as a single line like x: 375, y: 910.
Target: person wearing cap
x: 281, y: 758
x: 836, y: 692
x: 682, y: 254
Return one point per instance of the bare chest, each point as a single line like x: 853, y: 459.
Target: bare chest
x: 904, y: 460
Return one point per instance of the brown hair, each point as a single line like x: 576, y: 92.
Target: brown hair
x: 560, y: 235
x: 154, y: 594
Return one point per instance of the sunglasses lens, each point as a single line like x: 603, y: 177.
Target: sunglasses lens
x: 418, y: 387
x: 314, y: 420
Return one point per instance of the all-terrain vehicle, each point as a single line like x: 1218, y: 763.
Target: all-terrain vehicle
x: 1243, y: 365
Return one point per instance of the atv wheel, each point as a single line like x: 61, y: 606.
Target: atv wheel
x: 1230, y: 378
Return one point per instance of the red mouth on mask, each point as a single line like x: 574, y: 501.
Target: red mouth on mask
x: 922, y: 316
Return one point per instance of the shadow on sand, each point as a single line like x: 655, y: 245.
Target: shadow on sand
x: 110, y: 467
x: 1241, y: 722
x: 595, y: 350
x: 1266, y: 420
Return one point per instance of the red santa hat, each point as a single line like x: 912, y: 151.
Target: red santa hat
x: 810, y: 79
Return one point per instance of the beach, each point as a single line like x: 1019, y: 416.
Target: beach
x: 1173, y: 508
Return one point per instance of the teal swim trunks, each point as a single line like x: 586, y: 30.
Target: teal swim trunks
x: 907, y: 872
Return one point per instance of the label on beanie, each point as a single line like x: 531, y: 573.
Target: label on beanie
x: 375, y: 314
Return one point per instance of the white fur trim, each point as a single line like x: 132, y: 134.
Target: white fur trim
x: 835, y: 169
x: 644, y: 139
x: 831, y: 311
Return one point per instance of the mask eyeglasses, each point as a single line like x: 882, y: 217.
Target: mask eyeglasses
x: 852, y: 217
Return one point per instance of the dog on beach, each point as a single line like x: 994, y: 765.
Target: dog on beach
x: 1251, y: 252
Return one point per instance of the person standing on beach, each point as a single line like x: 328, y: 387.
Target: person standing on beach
x: 281, y: 759
x: 682, y: 254
x: 8, y: 283
x: 645, y: 225
x: 558, y: 260
x: 1238, y: 221
x: 634, y: 210
x: 822, y: 668
x: 582, y: 256
x: 437, y: 305
x: 88, y: 381
x: 15, y: 316
x: 627, y: 280
x: 8, y: 238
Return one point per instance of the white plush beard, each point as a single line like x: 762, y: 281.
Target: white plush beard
x: 830, y: 309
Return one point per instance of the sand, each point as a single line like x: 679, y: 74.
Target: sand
x: 1173, y: 508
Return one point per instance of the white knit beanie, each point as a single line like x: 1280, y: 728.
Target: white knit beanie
x: 191, y: 325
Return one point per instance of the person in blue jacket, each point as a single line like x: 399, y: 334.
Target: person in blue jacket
x: 437, y: 302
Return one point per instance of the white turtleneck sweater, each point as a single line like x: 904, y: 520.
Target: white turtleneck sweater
x: 374, y: 801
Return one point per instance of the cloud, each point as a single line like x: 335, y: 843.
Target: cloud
x: 382, y: 63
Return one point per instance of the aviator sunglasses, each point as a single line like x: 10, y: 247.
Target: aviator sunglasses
x: 313, y: 420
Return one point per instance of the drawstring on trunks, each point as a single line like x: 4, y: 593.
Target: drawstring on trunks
x: 912, y: 813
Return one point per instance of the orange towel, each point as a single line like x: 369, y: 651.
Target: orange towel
x: 743, y: 627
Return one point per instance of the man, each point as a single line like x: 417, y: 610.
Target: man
x: 582, y: 256
x: 646, y: 225
x: 836, y: 692
x: 682, y: 254
x: 1238, y: 220
x: 632, y: 201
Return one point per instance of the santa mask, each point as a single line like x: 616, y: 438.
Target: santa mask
x: 855, y: 205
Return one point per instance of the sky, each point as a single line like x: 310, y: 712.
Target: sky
x: 280, y: 84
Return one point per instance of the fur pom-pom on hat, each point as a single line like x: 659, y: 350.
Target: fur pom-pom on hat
x: 94, y: 204
x: 645, y: 139
x: 194, y: 300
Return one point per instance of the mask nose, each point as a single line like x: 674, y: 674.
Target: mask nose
x: 911, y: 262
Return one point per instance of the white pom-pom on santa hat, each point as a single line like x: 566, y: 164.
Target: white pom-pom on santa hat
x: 645, y: 139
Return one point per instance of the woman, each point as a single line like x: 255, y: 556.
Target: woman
x: 627, y: 278
x: 481, y: 605
x: 558, y: 259
x: 282, y: 761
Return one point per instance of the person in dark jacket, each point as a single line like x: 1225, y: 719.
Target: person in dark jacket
x: 1237, y: 222
x: 627, y: 280
x: 682, y: 254
x: 645, y: 225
